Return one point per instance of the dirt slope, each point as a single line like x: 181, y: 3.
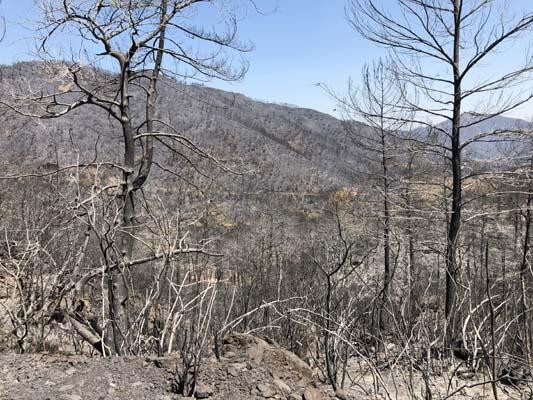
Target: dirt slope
x: 249, y: 368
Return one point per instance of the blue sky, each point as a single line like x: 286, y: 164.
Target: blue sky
x: 300, y: 44
x: 303, y: 43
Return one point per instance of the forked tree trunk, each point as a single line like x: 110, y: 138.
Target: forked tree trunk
x: 119, y: 308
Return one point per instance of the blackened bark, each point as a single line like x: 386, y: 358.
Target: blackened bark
x: 452, y: 269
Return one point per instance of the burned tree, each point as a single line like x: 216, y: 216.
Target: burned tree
x: 455, y: 39
x: 124, y: 50
x: 377, y: 102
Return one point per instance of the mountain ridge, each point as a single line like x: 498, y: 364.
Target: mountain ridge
x: 287, y: 147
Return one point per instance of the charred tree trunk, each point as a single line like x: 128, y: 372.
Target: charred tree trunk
x: 410, y: 243
x: 524, y: 304
x: 118, y: 287
x: 386, y: 236
x: 452, y: 269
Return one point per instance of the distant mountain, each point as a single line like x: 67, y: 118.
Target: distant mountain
x: 487, y: 136
x: 283, y: 147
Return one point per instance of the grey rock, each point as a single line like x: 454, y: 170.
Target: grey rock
x: 282, y: 386
x: 266, y: 390
x: 202, y: 391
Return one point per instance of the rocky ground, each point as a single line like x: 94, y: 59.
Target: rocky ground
x: 249, y: 368
x: 43, y: 377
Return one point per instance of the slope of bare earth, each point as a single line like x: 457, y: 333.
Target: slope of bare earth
x: 249, y: 368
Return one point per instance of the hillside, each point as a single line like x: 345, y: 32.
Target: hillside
x: 280, y: 147
x: 277, y: 148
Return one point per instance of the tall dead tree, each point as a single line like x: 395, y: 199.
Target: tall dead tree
x: 441, y: 48
x: 525, y: 266
x: 135, y: 43
x: 377, y: 102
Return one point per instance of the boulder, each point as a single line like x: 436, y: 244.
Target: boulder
x: 266, y: 390
x: 282, y: 386
x: 258, y: 352
x: 202, y: 391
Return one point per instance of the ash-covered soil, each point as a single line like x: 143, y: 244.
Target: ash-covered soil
x: 249, y: 368
x: 53, y: 377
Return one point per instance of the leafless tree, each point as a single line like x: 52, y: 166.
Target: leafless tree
x: 378, y: 103
x: 124, y: 50
x: 454, y: 39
